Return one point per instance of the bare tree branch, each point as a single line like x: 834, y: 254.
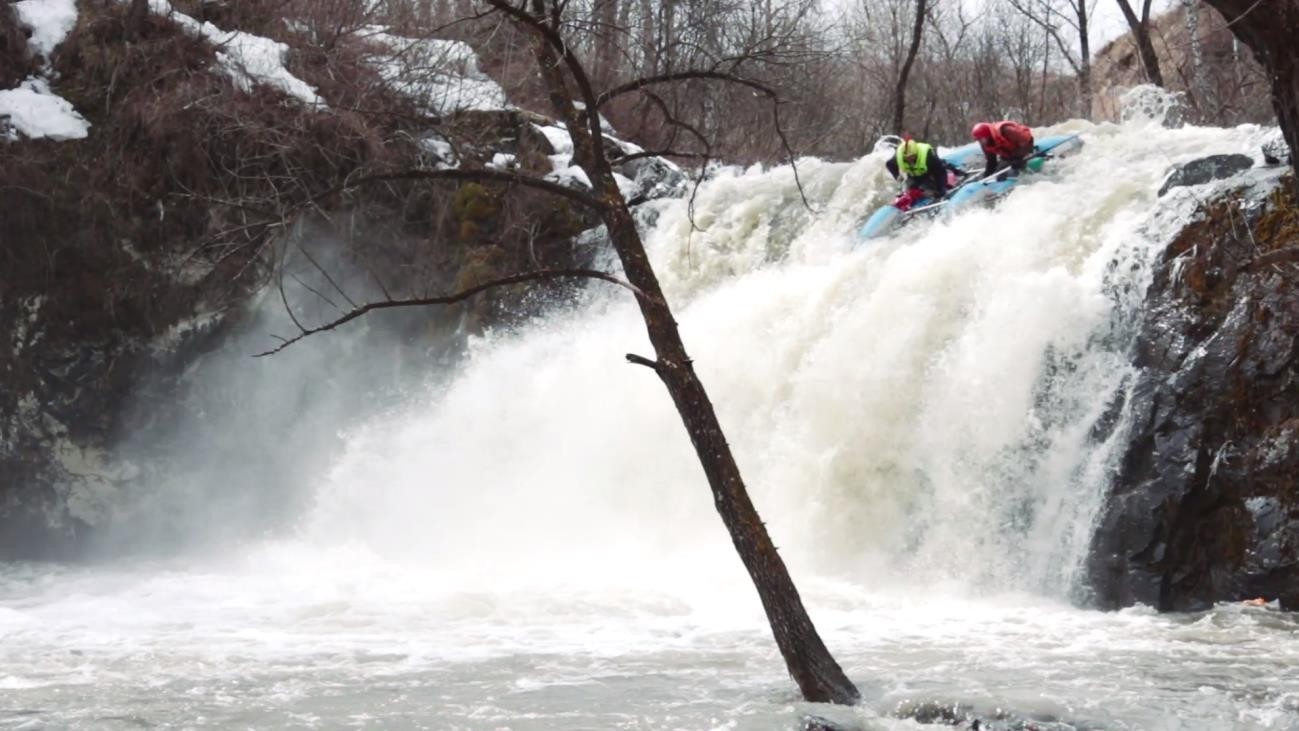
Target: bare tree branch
x: 497, y: 176
x: 643, y: 361
x: 641, y: 83
x: 619, y: 160
x: 464, y: 294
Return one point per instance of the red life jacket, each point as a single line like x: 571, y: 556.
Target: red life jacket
x: 1009, y: 139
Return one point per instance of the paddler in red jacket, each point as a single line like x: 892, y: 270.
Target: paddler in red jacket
x: 1006, y: 141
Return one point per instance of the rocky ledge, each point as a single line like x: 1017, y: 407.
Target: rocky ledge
x: 1205, y: 506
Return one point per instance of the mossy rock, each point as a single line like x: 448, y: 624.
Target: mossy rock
x: 481, y: 264
x: 1278, y: 227
x: 474, y: 206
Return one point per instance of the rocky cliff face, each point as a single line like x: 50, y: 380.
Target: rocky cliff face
x: 1205, y: 507
x: 1218, y: 80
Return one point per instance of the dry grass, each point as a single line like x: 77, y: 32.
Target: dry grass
x: 15, y: 64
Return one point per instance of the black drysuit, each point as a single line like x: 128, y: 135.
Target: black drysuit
x: 934, y: 181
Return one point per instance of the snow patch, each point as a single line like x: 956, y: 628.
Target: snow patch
x: 247, y: 59
x: 34, y: 112
x: 442, y: 76
x: 440, y: 150
x: 571, y: 176
x: 502, y: 161
x: 31, y: 110
x: 563, y: 171
x: 50, y: 21
x: 626, y: 185
x: 558, y: 137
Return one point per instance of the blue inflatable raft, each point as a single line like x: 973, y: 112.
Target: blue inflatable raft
x: 969, y: 159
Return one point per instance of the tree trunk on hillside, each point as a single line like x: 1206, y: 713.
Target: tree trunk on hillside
x: 818, y: 675
x: 1141, y: 35
x: 1198, y: 85
x: 1268, y: 28
x: 1084, y: 58
x: 900, y: 93
x: 604, y: 13
x: 1047, y: 15
x: 648, y: 47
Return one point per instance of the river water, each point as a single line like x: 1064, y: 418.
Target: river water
x: 529, y: 544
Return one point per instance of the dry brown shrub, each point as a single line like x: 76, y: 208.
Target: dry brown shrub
x: 259, y: 17
x: 15, y: 62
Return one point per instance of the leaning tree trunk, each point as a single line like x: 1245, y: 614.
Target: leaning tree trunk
x: 814, y: 669
x: 1268, y: 28
x: 900, y: 92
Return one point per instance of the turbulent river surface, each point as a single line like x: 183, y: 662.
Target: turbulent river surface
x: 277, y: 638
x: 529, y: 543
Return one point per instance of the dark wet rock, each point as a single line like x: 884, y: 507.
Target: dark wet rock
x: 819, y: 723
x: 652, y: 178
x: 969, y: 718
x: 1206, y: 169
x: 1205, y: 507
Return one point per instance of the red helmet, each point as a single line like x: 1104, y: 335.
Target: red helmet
x: 982, y: 131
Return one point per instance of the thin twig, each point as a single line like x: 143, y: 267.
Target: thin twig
x: 533, y: 276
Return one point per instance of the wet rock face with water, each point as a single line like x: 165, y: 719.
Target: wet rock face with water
x: 1206, y: 504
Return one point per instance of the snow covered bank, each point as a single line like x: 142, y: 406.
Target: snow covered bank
x: 442, y: 76
x: 248, y: 59
x: 32, y: 110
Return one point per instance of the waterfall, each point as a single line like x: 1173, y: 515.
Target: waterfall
x: 917, y: 411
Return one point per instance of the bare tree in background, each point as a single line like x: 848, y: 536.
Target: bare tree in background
x: 1056, y: 17
x: 974, y: 63
x: 1140, y: 27
x: 1199, y: 85
x: 900, y: 93
x: 953, y: 77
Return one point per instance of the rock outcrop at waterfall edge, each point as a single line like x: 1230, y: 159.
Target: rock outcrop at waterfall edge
x: 119, y: 283
x: 1205, y: 507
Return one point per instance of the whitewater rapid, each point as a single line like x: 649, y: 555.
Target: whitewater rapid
x: 530, y: 544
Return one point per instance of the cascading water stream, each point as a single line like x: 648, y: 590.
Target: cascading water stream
x: 532, y: 544
x: 919, y: 408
